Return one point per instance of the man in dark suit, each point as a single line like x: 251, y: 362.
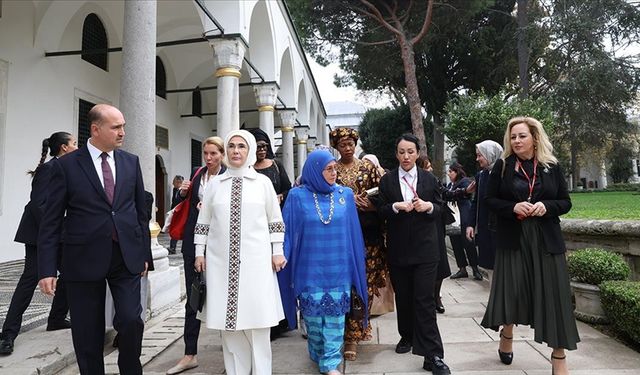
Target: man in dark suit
x: 105, y: 237
x: 409, y: 200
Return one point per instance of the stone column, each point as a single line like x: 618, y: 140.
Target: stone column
x: 311, y: 144
x: 288, y: 119
x: 302, y: 134
x: 602, y: 176
x: 138, y: 104
x: 266, y: 96
x: 227, y: 56
x: 326, y: 139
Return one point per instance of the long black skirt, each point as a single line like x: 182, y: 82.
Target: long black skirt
x: 531, y: 287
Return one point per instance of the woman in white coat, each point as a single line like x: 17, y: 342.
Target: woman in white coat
x: 240, y: 229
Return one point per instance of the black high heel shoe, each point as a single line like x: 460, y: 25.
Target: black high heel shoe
x: 439, y: 306
x: 505, y: 358
x: 553, y: 371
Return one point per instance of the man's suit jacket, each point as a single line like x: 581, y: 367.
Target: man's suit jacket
x: 501, y: 199
x: 75, y: 189
x: 412, y: 237
x: 27, y: 232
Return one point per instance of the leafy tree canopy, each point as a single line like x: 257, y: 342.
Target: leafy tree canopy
x: 477, y: 117
x: 380, y: 128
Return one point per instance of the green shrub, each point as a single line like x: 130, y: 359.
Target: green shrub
x: 623, y: 187
x: 621, y: 304
x: 593, y: 266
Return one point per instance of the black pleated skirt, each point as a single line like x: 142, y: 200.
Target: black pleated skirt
x: 531, y: 287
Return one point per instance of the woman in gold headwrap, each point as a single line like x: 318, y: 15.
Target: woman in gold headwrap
x: 361, y: 176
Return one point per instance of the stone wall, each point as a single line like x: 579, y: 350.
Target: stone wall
x: 619, y: 236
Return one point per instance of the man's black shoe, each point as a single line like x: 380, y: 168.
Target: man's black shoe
x: 6, y: 346
x: 476, y: 274
x: 403, y: 346
x: 172, y: 250
x: 462, y: 272
x: 436, y: 365
x: 63, y: 324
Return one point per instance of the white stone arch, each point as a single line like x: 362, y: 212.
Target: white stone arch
x: 262, y: 48
x: 287, y: 88
x: 312, y: 118
x: 302, y: 105
x: 61, y: 25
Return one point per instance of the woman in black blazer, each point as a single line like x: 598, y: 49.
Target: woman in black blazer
x: 212, y: 154
x: 409, y: 200
x: 56, y: 145
x: 527, y: 192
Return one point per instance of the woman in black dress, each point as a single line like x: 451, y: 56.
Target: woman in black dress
x: 463, y: 248
x: 268, y: 166
x: 527, y: 191
x: 58, y: 144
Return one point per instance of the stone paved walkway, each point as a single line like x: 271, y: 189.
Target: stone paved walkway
x: 469, y: 349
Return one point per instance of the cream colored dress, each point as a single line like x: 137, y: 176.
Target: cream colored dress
x: 241, y: 225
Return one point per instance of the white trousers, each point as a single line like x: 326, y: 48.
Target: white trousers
x: 247, y: 352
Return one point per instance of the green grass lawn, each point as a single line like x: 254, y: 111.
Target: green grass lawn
x: 605, y: 206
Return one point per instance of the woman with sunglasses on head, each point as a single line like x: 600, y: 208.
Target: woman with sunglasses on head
x: 268, y: 166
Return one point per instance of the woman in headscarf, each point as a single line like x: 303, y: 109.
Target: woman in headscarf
x: 361, y: 176
x: 479, y: 226
x: 241, y: 230
x: 268, y: 166
x: 324, y: 245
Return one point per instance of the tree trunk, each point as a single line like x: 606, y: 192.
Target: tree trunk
x: 438, y: 146
x: 413, y: 95
x: 523, y: 49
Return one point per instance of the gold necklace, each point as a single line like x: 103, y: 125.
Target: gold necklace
x: 315, y: 200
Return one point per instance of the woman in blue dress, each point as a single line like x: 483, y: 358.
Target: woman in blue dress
x: 325, y: 249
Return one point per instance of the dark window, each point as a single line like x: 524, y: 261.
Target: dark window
x: 84, y: 128
x: 94, y: 37
x: 161, y: 79
x: 162, y: 137
x: 196, y: 103
x: 196, y: 153
x: 638, y: 166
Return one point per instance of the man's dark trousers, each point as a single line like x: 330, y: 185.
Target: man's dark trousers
x: 87, y: 312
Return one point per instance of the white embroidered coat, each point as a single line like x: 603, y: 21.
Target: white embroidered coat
x: 241, y: 225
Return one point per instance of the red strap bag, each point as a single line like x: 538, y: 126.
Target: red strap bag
x: 181, y: 213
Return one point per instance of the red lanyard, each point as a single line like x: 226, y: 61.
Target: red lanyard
x: 415, y: 194
x: 530, y: 181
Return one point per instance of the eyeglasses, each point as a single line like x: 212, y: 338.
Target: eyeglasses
x: 330, y: 170
x: 262, y: 146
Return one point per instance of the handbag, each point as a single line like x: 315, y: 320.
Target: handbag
x: 178, y: 219
x: 356, y: 312
x: 198, y: 292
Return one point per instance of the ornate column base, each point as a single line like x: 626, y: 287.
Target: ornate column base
x: 164, y: 282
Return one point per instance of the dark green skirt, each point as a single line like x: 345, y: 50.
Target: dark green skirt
x: 531, y: 287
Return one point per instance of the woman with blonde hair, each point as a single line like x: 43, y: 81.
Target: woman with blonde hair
x: 212, y: 154
x: 527, y: 192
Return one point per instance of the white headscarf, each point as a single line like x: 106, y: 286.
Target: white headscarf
x: 491, y: 151
x: 251, y: 155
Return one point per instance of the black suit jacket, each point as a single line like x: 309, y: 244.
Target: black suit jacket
x: 501, y: 199
x: 86, y: 232
x: 27, y: 232
x: 412, y: 237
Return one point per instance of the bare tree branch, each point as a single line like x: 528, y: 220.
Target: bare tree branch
x: 425, y: 25
x: 376, y: 15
